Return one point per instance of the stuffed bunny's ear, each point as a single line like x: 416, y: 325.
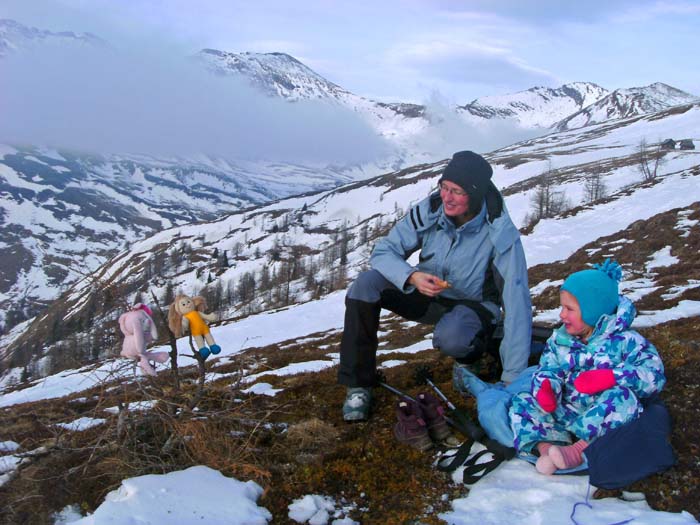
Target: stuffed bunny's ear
x: 154, y: 330
x: 122, y: 324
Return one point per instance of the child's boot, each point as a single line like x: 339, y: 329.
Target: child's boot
x: 411, y: 428
x: 434, y: 414
x: 569, y: 456
x: 544, y: 464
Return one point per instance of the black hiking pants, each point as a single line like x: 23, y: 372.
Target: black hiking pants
x: 458, y: 324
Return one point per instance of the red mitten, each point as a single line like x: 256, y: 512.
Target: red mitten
x: 594, y: 381
x: 546, y: 398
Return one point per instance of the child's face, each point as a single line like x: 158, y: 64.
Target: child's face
x: 570, y: 315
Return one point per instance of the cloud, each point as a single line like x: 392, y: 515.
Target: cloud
x: 290, y: 47
x: 541, y: 13
x: 470, y: 64
x: 152, y: 102
x: 657, y: 10
x: 450, y: 132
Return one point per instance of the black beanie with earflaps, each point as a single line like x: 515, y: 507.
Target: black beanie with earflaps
x: 471, y: 172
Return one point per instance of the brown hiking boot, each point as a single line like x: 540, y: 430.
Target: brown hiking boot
x: 434, y: 414
x: 411, y: 428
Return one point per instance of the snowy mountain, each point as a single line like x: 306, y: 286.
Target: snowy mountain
x: 277, y: 74
x: 15, y: 36
x: 538, y: 107
x: 64, y: 213
x: 283, y: 253
x: 281, y: 75
x: 571, y: 105
x: 623, y: 103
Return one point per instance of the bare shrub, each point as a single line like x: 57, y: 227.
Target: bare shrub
x: 546, y: 201
x: 650, y: 159
x: 594, y: 187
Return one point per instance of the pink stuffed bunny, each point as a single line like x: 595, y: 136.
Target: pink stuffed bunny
x: 139, y: 330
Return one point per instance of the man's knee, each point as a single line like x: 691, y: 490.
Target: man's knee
x: 368, y: 287
x: 469, y: 354
x: 459, y: 334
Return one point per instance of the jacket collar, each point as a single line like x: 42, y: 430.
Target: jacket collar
x: 471, y: 226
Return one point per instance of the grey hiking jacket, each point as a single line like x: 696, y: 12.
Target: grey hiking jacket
x: 483, y: 260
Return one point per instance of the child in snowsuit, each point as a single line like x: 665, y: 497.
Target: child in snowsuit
x: 592, y: 374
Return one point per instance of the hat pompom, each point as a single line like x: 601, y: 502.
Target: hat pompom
x: 610, y: 268
x: 145, y: 308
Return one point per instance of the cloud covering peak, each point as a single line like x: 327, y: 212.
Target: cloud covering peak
x: 151, y: 102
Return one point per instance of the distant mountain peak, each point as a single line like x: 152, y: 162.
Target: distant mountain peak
x: 537, y: 107
x: 15, y: 36
x: 627, y: 102
x: 276, y: 74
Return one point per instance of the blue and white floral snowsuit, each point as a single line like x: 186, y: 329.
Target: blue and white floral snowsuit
x: 636, y: 365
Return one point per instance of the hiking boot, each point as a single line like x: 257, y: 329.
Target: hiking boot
x: 434, y: 414
x: 411, y: 428
x: 466, y: 381
x: 357, y: 403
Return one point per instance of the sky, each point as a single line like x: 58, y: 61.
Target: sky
x: 143, y: 95
x: 406, y: 50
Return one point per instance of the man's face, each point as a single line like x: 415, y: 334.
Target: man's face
x: 455, y: 200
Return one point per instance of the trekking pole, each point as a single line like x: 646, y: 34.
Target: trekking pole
x: 460, y: 420
x: 381, y: 380
x: 423, y: 375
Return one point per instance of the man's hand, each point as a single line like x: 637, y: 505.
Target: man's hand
x: 428, y: 284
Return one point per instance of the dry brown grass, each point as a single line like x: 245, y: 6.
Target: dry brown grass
x: 312, y: 435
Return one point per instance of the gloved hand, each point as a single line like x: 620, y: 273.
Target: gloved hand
x: 594, y: 381
x: 546, y: 398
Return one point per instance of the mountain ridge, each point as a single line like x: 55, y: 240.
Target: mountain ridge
x: 623, y: 103
x: 14, y: 36
x: 61, y: 208
x: 294, y: 239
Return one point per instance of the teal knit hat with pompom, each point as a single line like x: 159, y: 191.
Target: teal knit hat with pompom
x: 595, y: 290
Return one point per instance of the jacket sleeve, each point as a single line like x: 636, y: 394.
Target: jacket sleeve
x: 517, y: 325
x: 642, y: 370
x: 549, y: 368
x: 390, y: 253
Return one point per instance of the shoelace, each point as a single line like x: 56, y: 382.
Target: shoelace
x: 588, y: 493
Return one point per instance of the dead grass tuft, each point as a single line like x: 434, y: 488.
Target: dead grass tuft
x: 312, y: 435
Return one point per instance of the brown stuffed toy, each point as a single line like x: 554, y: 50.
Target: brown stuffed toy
x: 187, y: 314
